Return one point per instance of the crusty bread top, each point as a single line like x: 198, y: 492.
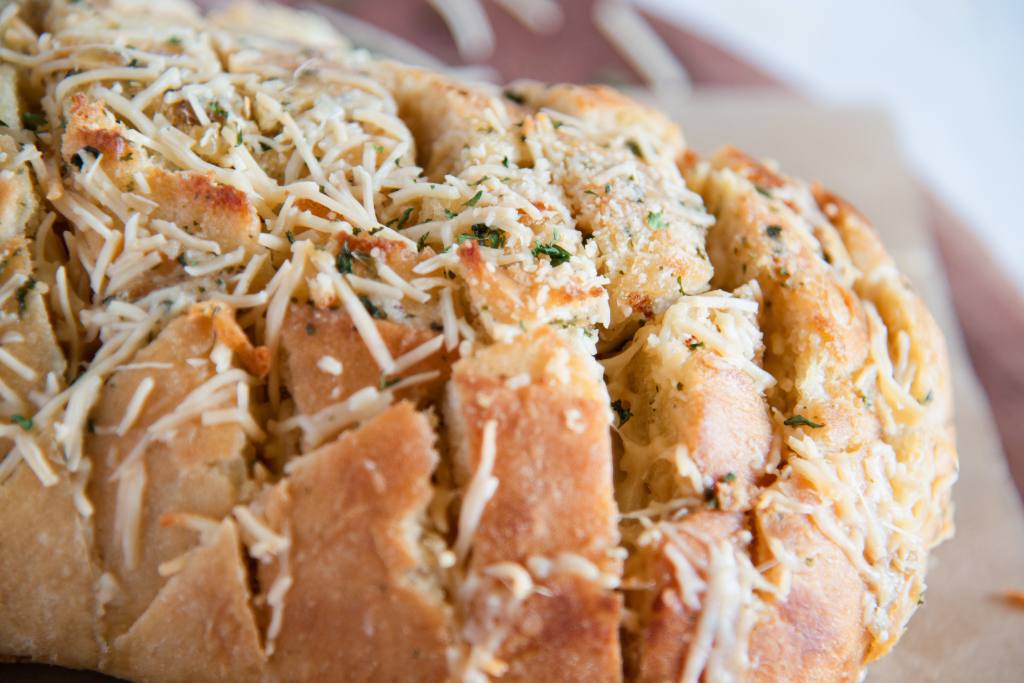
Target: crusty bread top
x: 317, y: 366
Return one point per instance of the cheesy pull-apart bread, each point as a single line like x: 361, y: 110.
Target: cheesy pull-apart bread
x: 318, y: 367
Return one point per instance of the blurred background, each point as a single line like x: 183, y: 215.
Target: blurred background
x: 947, y: 71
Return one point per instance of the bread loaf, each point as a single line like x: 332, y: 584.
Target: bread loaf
x: 321, y: 367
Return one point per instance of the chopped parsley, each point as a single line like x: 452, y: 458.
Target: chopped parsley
x: 405, y: 217
x: 265, y: 147
x: 174, y: 40
x: 773, y: 231
x: 372, y: 309
x: 344, y: 262
x: 290, y: 236
x: 33, y: 121
x: 21, y: 295
x: 238, y: 138
x: 801, y: 421
x: 217, y: 111
x: 634, y: 147
x: 762, y: 190
x: 557, y: 254
x: 421, y: 243
x: 386, y: 382
x: 449, y: 214
x: 504, y: 162
x: 656, y: 220
x: 134, y: 64
x: 623, y: 412
x: 181, y: 260
x: 23, y: 422
x: 693, y: 346
x: 927, y: 398
x: 485, y: 236
x: 729, y: 477
x: 474, y: 199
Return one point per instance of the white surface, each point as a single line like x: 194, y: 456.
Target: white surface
x: 951, y: 72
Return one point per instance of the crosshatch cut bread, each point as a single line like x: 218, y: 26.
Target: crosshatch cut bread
x: 321, y: 367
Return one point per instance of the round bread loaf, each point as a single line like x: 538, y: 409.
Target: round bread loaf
x: 319, y: 367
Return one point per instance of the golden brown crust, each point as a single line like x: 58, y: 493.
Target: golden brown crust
x: 552, y: 464
x: 206, y: 207
x: 312, y: 334
x: 670, y: 624
x: 18, y: 202
x: 449, y: 119
x: 352, y: 511
x: 255, y: 359
x: 48, y: 569
x: 816, y: 633
x: 200, y: 626
x: 23, y: 313
x: 567, y: 632
x: 553, y: 461
x: 47, y: 574
x: 92, y: 131
x: 191, y: 468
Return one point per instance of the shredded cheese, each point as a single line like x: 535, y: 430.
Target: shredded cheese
x: 481, y: 488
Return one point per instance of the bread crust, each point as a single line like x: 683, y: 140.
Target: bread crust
x: 351, y: 510
x: 552, y: 465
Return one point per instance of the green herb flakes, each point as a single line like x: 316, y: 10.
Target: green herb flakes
x: 344, y: 262
x: 622, y: 412
x: 656, y: 220
x: 557, y: 254
x: 33, y: 121
x: 801, y: 421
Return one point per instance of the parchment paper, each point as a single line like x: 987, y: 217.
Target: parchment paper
x: 965, y: 631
